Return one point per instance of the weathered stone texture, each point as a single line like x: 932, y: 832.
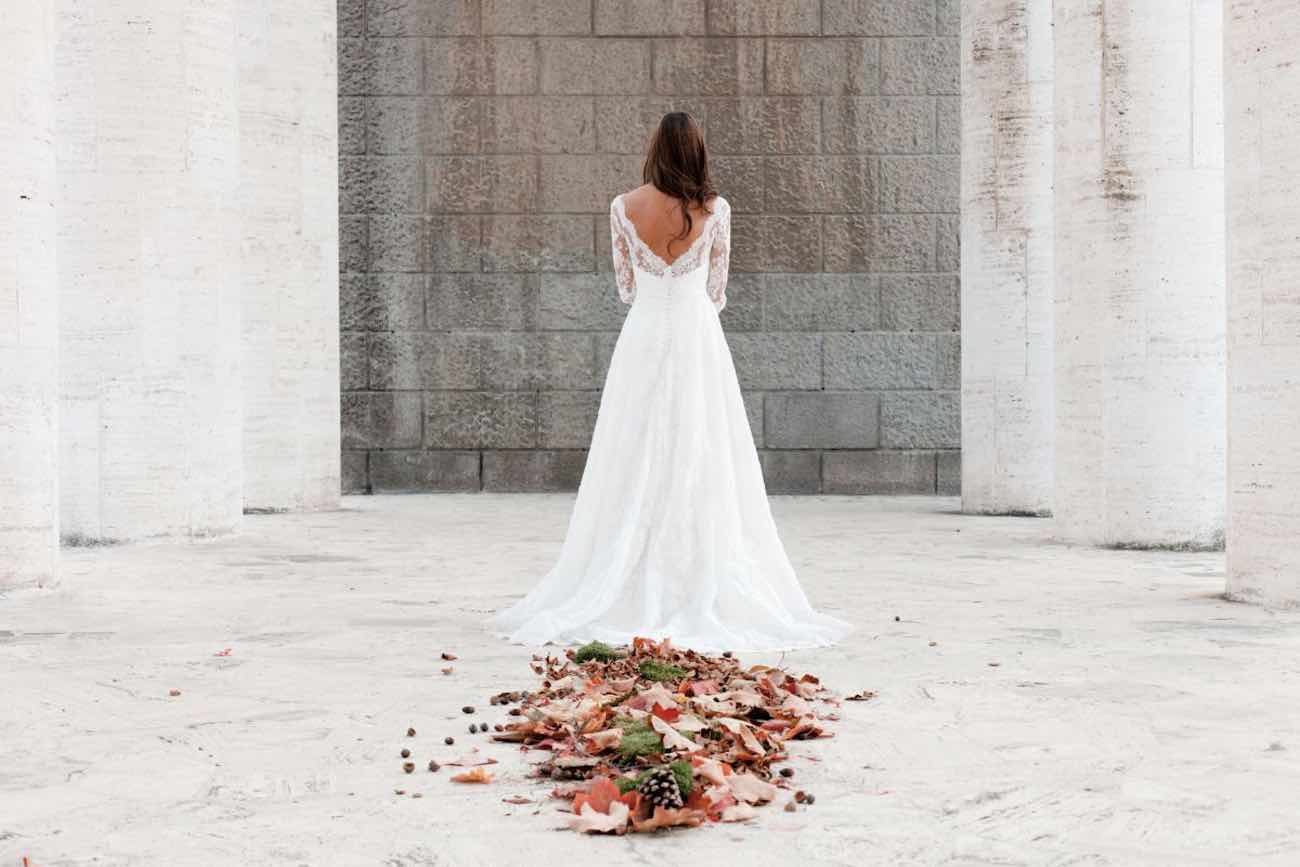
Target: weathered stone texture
x: 481, y: 142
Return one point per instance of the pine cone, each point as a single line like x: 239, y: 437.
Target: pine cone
x: 660, y: 788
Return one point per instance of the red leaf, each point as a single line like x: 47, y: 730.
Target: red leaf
x: 667, y: 714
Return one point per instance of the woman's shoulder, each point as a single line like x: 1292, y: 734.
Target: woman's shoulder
x: 719, y: 205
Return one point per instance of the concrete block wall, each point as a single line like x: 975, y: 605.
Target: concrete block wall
x: 481, y: 143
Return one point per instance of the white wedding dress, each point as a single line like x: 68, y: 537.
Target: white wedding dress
x: 671, y: 535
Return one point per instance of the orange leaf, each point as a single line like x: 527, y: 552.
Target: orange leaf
x: 667, y: 714
x: 602, y: 793
x: 592, y: 821
x: 474, y: 775
x: 669, y: 819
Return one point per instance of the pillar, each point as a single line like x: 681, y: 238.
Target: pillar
x: 1140, y: 296
x: 1006, y: 257
x: 288, y: 115
x: 28, y: 299
x: 1262, y: 108
x: 147, y: 131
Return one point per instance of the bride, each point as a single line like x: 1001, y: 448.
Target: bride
x: 671, y: 535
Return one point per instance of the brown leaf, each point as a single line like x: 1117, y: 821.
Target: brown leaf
x: 663, y: 818
x: 473, y: 775
x: 865, y: 695
x: 449, y: 656
x: 517, y: 799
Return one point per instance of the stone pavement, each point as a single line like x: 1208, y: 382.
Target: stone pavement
x: 1079, y: 706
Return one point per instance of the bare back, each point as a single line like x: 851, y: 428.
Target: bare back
x: 657, y: 218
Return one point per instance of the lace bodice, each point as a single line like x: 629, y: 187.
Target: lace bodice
x: 632, y: 254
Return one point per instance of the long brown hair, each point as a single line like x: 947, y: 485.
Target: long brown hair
x: 677, y: 163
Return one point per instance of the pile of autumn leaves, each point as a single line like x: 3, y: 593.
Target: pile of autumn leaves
x: 612, y: 716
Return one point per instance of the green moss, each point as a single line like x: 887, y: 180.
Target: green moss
x: 661, y: 671
x: 681, y: 772
x: 638, y: 738
x: 597, y: 650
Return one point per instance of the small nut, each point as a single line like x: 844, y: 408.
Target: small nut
x: 408, y: 766
x: 406, y: 754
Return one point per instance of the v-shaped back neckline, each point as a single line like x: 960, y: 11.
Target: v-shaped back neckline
x: 636, y: 237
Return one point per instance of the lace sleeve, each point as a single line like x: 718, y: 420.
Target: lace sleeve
x: 720, y: 254
x: 622, y: 253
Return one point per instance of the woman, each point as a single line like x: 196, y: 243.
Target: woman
x: 671, y: 535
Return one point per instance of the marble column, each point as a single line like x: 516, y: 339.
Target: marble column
x: 1006, y: 257
x: 29, y: 346
x: 1139, y: 289
x: 1262, y: 109
x: 148, y: 146
x: 288, y: 114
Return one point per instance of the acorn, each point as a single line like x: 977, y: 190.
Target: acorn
x: 449, y: 740
x: 467, y: 709
x: 499, y: 727
x: 808, y: 799
x: 433, y: 766
x: 800, y: 796
x: 473, y: 729
x: 406, y: 754
x: 514, y: 711
x: 787, y: 772
x: 410, y: 733
x: 408, y: 766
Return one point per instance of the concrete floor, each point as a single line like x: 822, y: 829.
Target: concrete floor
x: 1133, y: 717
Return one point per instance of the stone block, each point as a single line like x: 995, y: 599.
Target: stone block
x: 422, y: 17
x: 878, y: 17
x: 455, y: 243
x: 878, y: 472
x: 586, y: 183
x: 418, y: 472
x: 595, y: 66
x: 604, y: 351
x: 831, y: 67
x: 775, y: 243
x: 884, y: 243
x: 744, y: 310
x: 459, y: 184
x: 914, y: 184
x: 777, y: 361
x: 538, y: 471
x: 353, y: 472
x: 878, y: 124
x: 396, y: 242
x: 538, y: 124
x: 352, y: 18
x: 708, y: 66
x: 882, y: 361
x: 379, y: 185
x: 949, y: 360
x: 649, y: 17
x: 369, y: 67
x: 949, y: 125
x: 948, y: 252
x: 791, y: 472
x: 742, y: 181
x: 480, y: 419
x: 765, y: 18
x: 422, y: 125
x: 821, y: 420
x: 920, y: 66
x: 352, y: 125
x: 515, y: 360
x: 536, y: 17
x: 821, y: 302
x: 949, y: 17
x: 949, y: 474
x: 538, y: 242
x: 764, y: 125
x: 354, y: 360
x: 379, y: 420
x: 624, y: 124
x: 500, y: 65
x: 567, y: 418
x: 481, y: 301
x: 920, y: 302
x: 354, y: 254
x: 926, y: 420
x: 814, y: 184
x: 410, y: 360
x: 580, y: 302
x: 381, y: 302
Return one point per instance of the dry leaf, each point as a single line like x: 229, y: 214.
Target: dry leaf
x: 471, y: 759
x: 738, y: 813
x: 750, y: 789
x: 589, y: 820
x: 672, y: 739
x: 865, y: 695
x: 663, y: 818
x: 517, y: 799
x: 473, y: 775
x: 449, y: 657
x: 448, y: 670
